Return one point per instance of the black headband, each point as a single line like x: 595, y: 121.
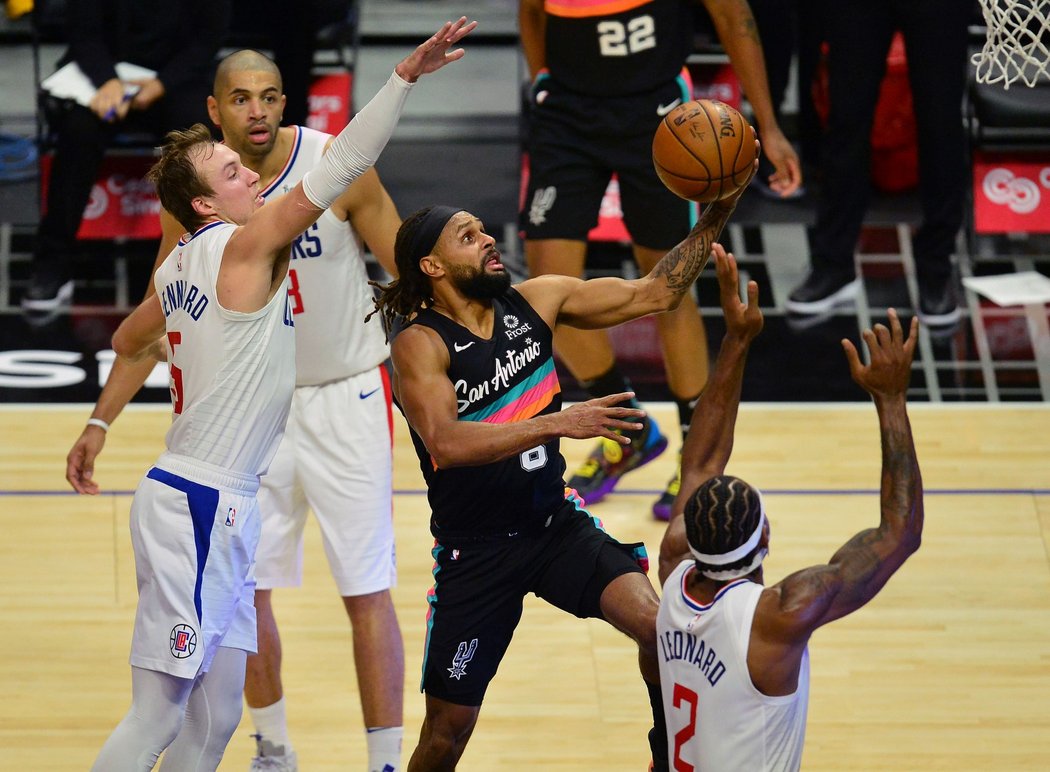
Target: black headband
x: 430, y: 227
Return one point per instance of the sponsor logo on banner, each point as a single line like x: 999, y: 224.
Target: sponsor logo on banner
x: 329, y: 102
x: 123, y: 204
x: 1011, y: 194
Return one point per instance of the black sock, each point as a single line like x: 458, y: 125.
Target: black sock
x: 658, y: 734
x: 610, y: 382
x: 685, y: 413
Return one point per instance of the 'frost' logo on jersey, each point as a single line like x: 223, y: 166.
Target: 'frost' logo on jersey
x: 542, y: 201
x: 464, y: 654
x: 510, y: 321
x: 231, y: 517
x: 183, y: 641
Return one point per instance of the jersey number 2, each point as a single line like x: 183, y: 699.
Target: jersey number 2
x: 174, y: 339
x: 683, y: 695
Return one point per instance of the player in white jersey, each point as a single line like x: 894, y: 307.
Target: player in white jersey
x: 336, y: 455
x: 734, y: 667
x: 344, y: 474
x: 221, y: 317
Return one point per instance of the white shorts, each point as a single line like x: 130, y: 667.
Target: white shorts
x: 194, y: 529
x: 335, y: 458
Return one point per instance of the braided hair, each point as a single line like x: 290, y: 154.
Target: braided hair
x: 720, y: 517
x: 410, y: 292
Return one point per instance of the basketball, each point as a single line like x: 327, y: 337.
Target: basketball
x: 704, y: 150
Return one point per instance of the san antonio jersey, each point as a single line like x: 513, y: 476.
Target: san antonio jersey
x: 617, y: 47
x: 509, y: 377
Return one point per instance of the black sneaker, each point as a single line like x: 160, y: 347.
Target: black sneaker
x: 938, y: 304
x: 662, y: 507
x: 610, y: 461
x: 48, y: 295
x: 822, y: 291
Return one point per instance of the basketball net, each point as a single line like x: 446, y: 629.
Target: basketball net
x: 1016, y: 47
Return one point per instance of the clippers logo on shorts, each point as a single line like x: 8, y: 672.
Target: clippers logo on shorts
x: 542, y: 201
x: 464, y: 654
x: 183, y: 641
x: 231, y: 516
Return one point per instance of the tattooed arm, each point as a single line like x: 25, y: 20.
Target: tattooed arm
x: 609, y: 301
x: 738, y: 34
x: 860, y: 568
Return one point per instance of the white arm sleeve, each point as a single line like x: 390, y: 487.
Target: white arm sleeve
x: 357, y: 147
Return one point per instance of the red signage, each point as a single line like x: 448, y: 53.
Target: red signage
x: 329, y: 102
x: 1011, y: 193
x: 122, y: 203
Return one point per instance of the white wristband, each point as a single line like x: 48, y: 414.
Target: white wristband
x: 99, y: 423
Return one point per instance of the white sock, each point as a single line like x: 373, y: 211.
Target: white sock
x: 272, y: 724
x: 384, y: 748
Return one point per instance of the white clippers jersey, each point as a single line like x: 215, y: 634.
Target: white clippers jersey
x: 328, y: 284
x: 717, y: 721
x: 232, y: 373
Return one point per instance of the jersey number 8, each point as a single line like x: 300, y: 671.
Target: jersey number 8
x: 534, y: 458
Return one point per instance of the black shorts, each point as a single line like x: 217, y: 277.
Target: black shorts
x: 479, y: 587
x: 576, y: 143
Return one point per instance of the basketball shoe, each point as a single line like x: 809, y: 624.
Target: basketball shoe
x: 662, y: 507
x: 272, y: 758
x: 610, y: 461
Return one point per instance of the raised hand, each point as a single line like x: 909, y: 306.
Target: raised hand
x: 891, y: 355
x: 600, y: 418
x: 742, y: 320
x: 434, y: 53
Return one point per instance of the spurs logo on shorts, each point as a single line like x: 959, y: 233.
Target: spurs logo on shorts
x: 542, y: 201
x: 464, y: 654
x: 183, y: 641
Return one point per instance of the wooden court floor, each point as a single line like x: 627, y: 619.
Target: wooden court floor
x: 948, y: 669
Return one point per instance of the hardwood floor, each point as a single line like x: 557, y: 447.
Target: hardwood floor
x: 947, y: 669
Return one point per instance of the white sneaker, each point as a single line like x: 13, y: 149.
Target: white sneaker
x: 272, y: 758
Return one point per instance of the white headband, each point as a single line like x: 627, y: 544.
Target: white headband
x: 736, y: 554
x: 736, y: 573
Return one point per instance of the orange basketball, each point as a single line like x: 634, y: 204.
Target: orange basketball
x: 704, y: 150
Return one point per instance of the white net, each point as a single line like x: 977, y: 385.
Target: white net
x: 1018, y: 42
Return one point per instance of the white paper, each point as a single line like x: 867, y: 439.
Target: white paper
x: 1012, y: 289
x: 70, y: 82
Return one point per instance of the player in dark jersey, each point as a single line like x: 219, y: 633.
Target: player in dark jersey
x: 604, y: 75
x: 474, y: 375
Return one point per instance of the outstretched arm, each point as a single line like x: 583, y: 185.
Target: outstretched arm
x: 428, y: 398
x: 355, y: 149
x: 607, y: 302
x: 710, y: 439
x: 859, y: 569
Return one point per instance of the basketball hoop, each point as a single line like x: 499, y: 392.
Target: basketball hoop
x: 1017, y: 46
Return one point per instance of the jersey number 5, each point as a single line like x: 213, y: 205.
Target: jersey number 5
x: 684, y: 696
x: 174, y: 339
